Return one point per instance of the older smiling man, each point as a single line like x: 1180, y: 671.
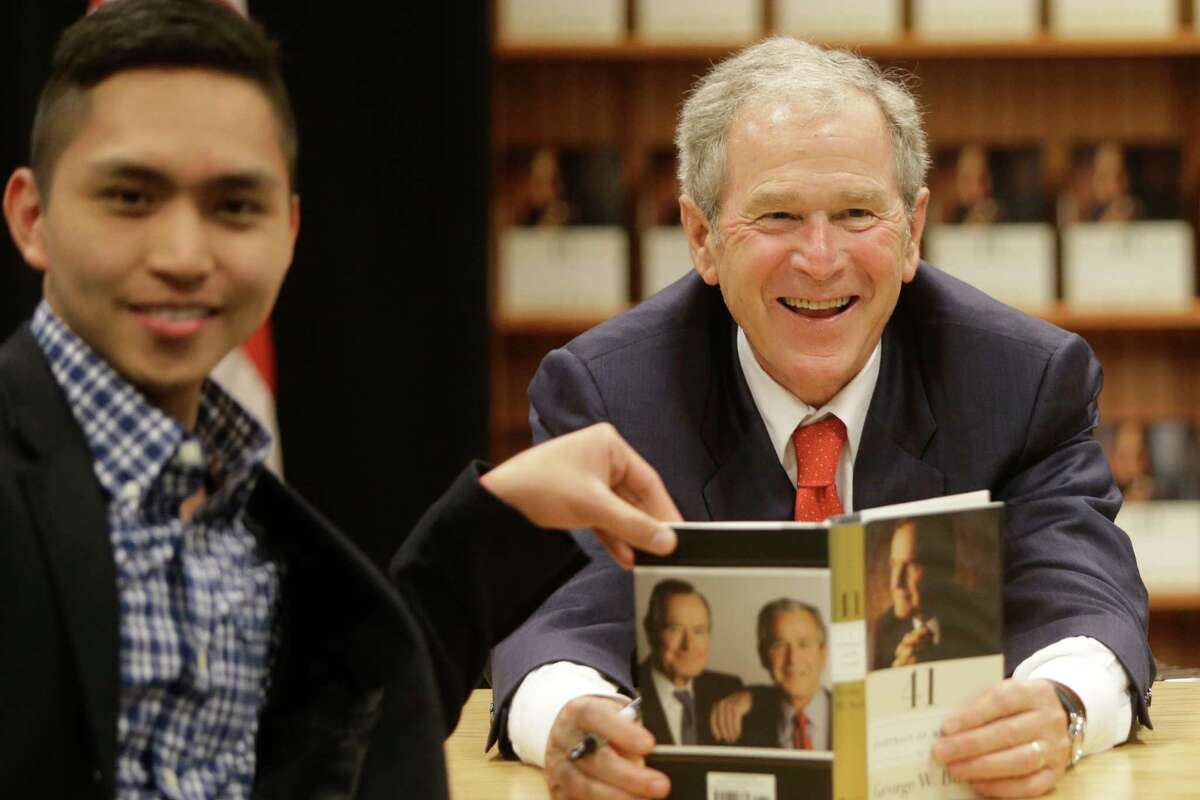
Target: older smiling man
x: 812, y: 365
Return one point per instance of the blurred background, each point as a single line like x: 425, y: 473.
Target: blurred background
x: 483, y: 181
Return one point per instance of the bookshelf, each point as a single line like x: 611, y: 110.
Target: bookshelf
x: 1043, y: 90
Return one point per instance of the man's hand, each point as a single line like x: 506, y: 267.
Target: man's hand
x: 911, y: 645
x: 617, y: 770
x: 1011, y: 742
x: 727, y: 714
x: 590, y: 479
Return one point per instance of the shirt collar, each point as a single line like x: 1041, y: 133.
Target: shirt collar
x: 782, y: 412
x: 131, y: 440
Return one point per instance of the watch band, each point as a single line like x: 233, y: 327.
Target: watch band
x: 1076, y: 719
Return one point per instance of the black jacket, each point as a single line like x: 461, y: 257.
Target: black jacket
x: 471, y: 570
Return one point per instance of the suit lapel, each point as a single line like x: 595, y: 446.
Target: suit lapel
x: 888, y: 468
x: 749, y: 482
x: 70, y: 514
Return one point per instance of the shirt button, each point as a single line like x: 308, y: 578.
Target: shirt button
x: 189, y: 454
x: 97, y: 776
x: 202, y: 664
x: 170, y: 780
x: 130, y: 492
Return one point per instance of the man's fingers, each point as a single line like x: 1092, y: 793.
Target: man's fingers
x: 620, y: 552
x: 1004, y: 699
x: 606, y: 767
x: 639, y: 483
x: 1029, y: 786
x: 603, y: 509
x: 1021, y: 760
x: 626, y: 734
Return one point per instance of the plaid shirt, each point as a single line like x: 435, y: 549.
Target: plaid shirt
x: 196, y: 600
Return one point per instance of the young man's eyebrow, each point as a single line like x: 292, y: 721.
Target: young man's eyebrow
x: 250, y: 179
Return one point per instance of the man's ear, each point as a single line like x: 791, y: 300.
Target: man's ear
x: 916, y: 227
x: 23, y: 209
x: 699, y: 238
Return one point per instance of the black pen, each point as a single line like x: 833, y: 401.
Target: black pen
x: 591, y: 742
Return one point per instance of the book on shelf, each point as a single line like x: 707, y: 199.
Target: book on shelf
x: 664, y: 247
x: 976, y: 20
x: 783, y: 659
x: 1156, y: 465
x: 1125, y: 244
x: 1117, y: 19
x: 1157, y: 460
x: 523, y: 22
x: 563, y: 245
x: 688, y: 22
x: 849, y: 21
x: 988, y: 222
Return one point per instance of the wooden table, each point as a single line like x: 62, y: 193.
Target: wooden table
x: 1162, y: 764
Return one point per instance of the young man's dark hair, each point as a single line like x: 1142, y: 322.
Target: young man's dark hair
x: 205, y: 34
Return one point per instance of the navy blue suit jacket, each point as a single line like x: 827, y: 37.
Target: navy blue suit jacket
x: 971, y: 395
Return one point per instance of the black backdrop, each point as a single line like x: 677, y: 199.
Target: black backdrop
x: 381, y: 328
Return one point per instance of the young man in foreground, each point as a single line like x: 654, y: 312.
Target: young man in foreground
x: 174, y: 621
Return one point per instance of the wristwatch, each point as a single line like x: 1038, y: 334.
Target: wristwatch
x: 1076, y: 719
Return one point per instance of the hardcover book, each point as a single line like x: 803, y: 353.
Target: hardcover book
x: 976, y: 20
x: 685, y: 21
x: 1114, y: 18
x: 989, y: 224
x: 665, y: 254
x: 1124, y: 241
x: 780, y: 660
x: 547, y: 22
x: 850, y: 21
x: 563, y: 247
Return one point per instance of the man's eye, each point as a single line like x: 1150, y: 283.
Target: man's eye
x: 779, y: 215
x: 125, y: 199
x: 240, y: 210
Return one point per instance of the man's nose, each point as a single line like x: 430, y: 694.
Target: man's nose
x: 180, y: 249
x: 815, y: 251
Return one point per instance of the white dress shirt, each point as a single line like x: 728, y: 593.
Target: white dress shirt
x: 1084, y: 664
x: 672, y: 708
x: 817, y: 712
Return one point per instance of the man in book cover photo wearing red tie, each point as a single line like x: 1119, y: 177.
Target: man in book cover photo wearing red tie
x: 814, y: 364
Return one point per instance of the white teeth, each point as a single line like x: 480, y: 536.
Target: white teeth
x: 174, y: 314
x: 815, y: 305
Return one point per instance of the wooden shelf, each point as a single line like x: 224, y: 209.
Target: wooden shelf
x: 906, y: 48
x: 568, y: 323
x: 1124, y: 321
x: 564, y: 323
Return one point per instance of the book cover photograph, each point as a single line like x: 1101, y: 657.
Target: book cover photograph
x: 818, y: 659
x: 1125, y: 242
x: 664, y: 248
x: 562, y: 243
x: 1157, y: 460
x: 989, y: 222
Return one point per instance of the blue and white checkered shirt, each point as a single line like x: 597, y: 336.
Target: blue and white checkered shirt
x: 196, y: 598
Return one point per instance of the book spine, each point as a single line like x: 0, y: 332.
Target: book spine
x: 848, y: 661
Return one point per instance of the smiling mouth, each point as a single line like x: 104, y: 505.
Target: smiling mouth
x: 174, y: 313
x: 818, y: 309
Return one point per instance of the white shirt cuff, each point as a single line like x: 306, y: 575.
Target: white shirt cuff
x: 1093, y: 672
x: 539, y: 699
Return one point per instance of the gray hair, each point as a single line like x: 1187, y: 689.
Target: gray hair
x: 783, y: 67
x: 766, y: 623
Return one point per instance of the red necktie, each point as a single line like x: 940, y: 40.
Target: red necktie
x: 818, y: 447
x: 800, y: 738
